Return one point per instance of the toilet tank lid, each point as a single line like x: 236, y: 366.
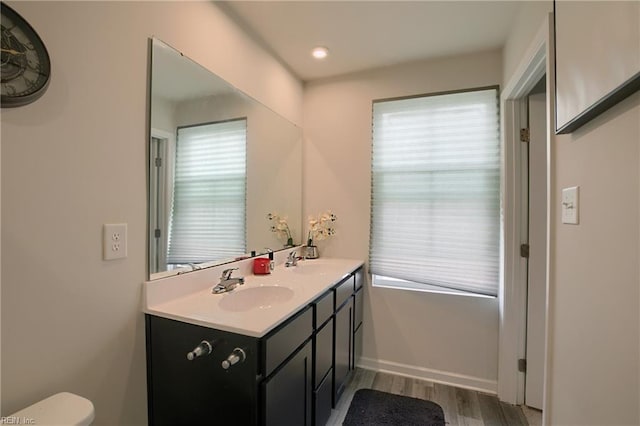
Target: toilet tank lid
x: 63, y: 408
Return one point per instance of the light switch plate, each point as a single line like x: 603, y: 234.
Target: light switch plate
x: 570, y: 205
x: 114, y: 241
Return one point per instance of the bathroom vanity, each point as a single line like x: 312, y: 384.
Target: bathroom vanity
x: 277, y: 350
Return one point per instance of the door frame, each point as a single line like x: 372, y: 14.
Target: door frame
x: 537, y: 61
x: 166, y: 188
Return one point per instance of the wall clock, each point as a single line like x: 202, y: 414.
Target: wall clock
x: 25, y: 67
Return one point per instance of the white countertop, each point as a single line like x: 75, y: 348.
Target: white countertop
x: 188, y: 297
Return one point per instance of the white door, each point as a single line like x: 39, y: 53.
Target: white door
x: 536, y: 292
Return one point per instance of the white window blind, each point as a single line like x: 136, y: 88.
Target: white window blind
x: 209, y: 198
x: 435, y: 208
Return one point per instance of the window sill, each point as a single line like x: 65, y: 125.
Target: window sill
x: 397, y: 284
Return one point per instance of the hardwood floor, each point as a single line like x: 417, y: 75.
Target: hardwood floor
x: 461, y: 406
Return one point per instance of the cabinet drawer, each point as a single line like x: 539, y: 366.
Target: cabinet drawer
x: 357, y: 309
x: 324, y: 309
x: 324, y: 351
x: 359, y: 278
x: 283, y: 341
x: 322, y: 401
x: 344, y: 290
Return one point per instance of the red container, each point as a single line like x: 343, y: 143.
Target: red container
x: 261, y: 266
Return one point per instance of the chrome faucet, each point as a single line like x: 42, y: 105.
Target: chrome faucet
x: 292, y: 259
x: 226, y: 282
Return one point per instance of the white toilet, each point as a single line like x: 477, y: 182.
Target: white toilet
x: 61, y: 409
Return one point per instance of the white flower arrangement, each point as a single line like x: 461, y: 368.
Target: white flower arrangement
x: 321, y: 227
x: 281, y: 228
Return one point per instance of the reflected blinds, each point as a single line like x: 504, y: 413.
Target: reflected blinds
x: 209, y: 198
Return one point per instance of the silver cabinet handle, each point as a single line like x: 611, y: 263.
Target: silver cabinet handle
x: 238, y: 355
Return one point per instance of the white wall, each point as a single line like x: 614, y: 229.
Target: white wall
x: 594, y: 376
x: 74, y: 160
x: 163, y: 115
x: 523, y: 28
x: 594, y: 297
x: 439, y: 336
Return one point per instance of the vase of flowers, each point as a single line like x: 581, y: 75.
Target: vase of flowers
x: 281, y: 228
x: 321, y: 227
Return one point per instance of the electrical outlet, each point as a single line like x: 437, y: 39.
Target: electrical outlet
x: 114, y: 241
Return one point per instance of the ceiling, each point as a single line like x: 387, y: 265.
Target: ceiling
x: 363, y: 35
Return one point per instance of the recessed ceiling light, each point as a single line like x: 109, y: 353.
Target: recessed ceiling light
x: 320, y: 52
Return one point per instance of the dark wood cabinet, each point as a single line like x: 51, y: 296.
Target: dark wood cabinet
x: 356, y: 345
x: 272, y: 385
x: 347, y: 330
x: 342, y: 351
x: 358, y: 309
x: 346, y: 344
x: 287, y: 393
x: 288, y: 388
x: 323, y: 358
x: 292, y: 376
x: 182, y: 391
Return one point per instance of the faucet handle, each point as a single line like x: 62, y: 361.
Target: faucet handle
x: 226, y: 274
x: 292, y: 259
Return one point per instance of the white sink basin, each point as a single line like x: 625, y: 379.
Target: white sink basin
x: 255, y: 298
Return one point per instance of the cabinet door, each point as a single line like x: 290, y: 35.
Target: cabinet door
x: 359, y: 306
x: 192, y: 392
x: 322, y: 401
x: 287, y: 393
x: 357, y: 347
x: 342, y: 348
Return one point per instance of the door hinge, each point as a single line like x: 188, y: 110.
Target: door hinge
x: 158, y: 162
x: 524, y: 135
x: 524, y: 250
x: 157, y: 233
x: 522, y: 365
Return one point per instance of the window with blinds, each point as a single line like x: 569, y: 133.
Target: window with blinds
x: 209, y: 197
x: 435, y: 202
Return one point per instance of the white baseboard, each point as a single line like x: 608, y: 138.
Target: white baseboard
x: 437, y: 376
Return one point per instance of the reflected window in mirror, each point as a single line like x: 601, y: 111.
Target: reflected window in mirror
x: 208, y: 212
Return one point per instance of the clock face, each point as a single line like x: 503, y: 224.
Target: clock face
x: 24, y: 62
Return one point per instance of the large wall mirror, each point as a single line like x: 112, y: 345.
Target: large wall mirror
x: 225, y: 172
x: 597, y: 46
